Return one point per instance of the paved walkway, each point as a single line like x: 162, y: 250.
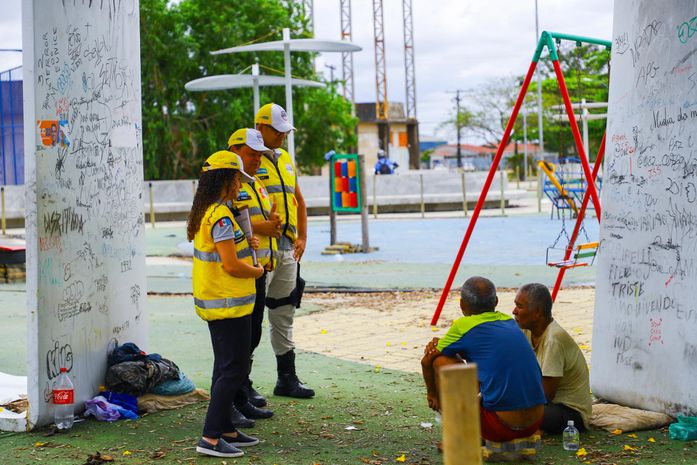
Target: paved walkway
x: 389, y: 330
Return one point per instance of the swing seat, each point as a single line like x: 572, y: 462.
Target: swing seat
x: 581, y: 251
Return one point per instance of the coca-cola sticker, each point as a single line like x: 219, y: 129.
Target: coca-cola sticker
x: 63, y: 396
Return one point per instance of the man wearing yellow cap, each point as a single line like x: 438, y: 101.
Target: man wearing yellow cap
x: 277, y: 172
x: 266, y: 225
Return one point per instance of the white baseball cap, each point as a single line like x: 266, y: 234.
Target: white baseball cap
x: 250, y: 137
x: 275, y: 116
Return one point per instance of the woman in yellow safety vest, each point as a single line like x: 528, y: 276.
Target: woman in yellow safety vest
x: 224, y: 294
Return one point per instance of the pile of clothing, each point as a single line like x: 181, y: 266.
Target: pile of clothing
x: 132, y: 371
x: 137, y: 381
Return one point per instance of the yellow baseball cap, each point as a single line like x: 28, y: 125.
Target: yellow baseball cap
x: 224, y: 159
x: 275, y: 116
x: 249, y: 137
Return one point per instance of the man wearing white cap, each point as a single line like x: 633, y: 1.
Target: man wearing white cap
x: 266, y: 225
x: 284, y: 288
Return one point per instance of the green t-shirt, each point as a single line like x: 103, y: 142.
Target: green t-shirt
x: 559, y: 357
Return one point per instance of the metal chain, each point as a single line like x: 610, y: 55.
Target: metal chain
x: 563, y: 232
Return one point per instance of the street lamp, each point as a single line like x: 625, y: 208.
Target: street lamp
x: 288, y: 45
x: 237, y: 81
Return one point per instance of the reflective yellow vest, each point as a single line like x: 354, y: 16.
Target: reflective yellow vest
x: 256, y: 199
x: 218, y: 295
x: 279, y: 178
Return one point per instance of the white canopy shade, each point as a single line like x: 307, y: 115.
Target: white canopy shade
x: 296, y: 45
x: 236, y: 81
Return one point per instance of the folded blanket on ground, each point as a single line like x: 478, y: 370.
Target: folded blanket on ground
x: 153, y: 402
x: 611, y: 417
x: 174, y: 387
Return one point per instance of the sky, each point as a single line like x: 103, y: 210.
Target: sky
x: 458, y: 44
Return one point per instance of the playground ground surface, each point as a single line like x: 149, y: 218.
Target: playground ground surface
x: 358, y: 390
x: 360, y: 351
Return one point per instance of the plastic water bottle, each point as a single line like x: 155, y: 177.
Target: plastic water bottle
x: 571, y: 437
x: 63, y: 401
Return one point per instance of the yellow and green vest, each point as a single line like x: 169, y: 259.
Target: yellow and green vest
x: 280, y: 179
x: 217, y: 294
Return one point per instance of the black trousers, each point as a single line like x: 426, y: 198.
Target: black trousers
x: 231, y: 341
x: 557, y: 417
x: 258, y: 313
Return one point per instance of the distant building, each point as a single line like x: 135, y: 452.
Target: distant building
x: 475, y: 157
x: 428, y: 143
x: 402, y: 142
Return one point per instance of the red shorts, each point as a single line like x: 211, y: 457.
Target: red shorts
x: 493, y: 429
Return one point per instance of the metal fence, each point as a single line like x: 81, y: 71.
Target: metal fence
x: 11, y: 127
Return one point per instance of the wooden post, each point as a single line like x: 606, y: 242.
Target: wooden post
x: 503, y: 198
x: 4, y: 220
x: 421, y: 186
x: 152, y: 206
x: 459, y: 389
x: 375, y: 196
x: 464, y: 194
x: 364, y: 204
x: 517, y: 177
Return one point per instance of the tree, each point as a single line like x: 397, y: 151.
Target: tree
x: 586, y: 71
x: 486, y: 110
x: 181, y: 128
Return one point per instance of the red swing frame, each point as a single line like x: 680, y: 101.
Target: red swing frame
x: 547, y: 40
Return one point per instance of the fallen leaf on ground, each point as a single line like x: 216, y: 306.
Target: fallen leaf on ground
x: 401, y: 458
x: 98, y: 459
x: 616, y: 431
x: 127, y: 452
x: 581, y: 452
x: 632, y: 435
x: 651, y: 440
x: 629, y: 448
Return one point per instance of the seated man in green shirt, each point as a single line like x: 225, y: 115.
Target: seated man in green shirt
x: 564, y: 370
x: 510, y: 382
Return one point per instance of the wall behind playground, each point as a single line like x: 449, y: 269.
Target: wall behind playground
x: 645, y: 327
x: 84, y: 182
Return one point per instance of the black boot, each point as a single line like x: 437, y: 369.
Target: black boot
x: 253, y: 396
x: 288, y: 384
x: 252, y: 412
x: 238, y: 420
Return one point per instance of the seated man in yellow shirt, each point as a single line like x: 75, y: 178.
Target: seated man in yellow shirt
x: 564, y: 369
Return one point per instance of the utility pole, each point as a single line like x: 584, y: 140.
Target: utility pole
x: 458, y: 125
x: 331, y: 73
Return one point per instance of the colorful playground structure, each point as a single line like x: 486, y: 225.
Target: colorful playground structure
x: 565, y: 185
x: 345, y: 174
